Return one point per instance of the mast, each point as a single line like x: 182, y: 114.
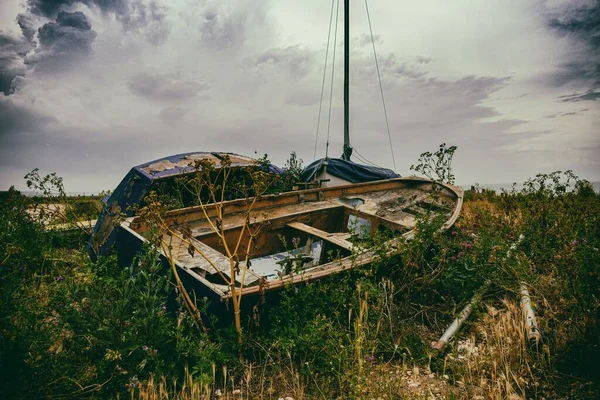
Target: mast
x: 347, y: 148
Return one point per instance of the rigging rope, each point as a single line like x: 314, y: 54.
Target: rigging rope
x: 337, y: 14
x: 323, y: 83
x: 380, y: 86
x: 365, y: 160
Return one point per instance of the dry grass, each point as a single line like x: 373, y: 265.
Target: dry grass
x: 497, y: 361
x: 494, y: 362
x: 161, y: 390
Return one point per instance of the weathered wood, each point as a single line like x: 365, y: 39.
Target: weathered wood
x: 330, y: 237
x: 314, y: 213
x: 198, y: 259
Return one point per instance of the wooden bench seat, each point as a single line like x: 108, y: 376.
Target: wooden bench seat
x: 335, y: 238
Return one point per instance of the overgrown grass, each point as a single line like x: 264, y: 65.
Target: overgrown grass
x: 70, y: 328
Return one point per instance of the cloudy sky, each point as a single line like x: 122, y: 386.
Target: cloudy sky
x: 93, y: 87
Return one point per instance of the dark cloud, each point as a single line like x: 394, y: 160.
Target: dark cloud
x: 70, y: 37
x: 48, y: 8
x: 133, y: 14
x: 150, y: 20
x: 51, y: 8
x: 567, y: 114
x: 165, y: 87
x: 57, y: 44
x: 12, y: 50
x: 75, y: 20
x: 580, y: 22
x: 27, y: 26
x: 590, y: 95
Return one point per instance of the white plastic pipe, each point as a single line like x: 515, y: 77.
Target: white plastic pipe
x: 464, y: 314
x: 533, y: 333
x: 457, y: 323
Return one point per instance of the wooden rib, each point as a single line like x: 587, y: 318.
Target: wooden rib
x: 330, y: 237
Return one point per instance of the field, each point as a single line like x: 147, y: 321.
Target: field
x: 74, y: 329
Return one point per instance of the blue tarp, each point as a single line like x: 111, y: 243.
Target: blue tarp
x: 137, y: 183
x: 346, y: 170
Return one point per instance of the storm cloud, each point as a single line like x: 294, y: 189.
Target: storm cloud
x: 54, y: 36
x: 70, y: 32
x: 579, y: 22
x: 12, y: 52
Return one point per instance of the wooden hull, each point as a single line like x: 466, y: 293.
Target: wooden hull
x: 304, y: 235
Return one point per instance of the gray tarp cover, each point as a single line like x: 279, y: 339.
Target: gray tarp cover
x: 347, y: 170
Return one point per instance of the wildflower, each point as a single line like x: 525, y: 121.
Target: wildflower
x: 145, y: 348
x: 59, y: 278
x: 461, y: 254
x: 155, y: 351
x: 575, y: 243
x: 164, y: 308
x: 295, y: 241
x: 454, y: 233
x: 453, y: 258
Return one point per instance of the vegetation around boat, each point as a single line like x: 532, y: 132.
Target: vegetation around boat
x: 71, y: 328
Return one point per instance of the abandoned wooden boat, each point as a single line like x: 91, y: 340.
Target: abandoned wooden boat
x: 304, y: 235
x: 297, y: 236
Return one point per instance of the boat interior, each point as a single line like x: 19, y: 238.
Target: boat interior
x: 299, y: 235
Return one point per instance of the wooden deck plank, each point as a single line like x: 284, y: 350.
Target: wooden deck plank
x: 235, y: 221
